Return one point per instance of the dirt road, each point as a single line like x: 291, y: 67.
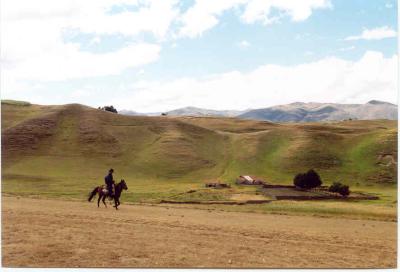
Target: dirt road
x: 52, y: 233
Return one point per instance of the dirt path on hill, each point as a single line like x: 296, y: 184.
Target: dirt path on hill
x: 53, y: 233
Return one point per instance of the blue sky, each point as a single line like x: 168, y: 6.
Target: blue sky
x: 149, y: 55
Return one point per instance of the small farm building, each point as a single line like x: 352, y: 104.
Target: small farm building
x: 248, y: 180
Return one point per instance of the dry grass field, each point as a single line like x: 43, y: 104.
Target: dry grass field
x: 54, y: 233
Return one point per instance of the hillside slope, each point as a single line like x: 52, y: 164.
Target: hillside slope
x: 67, y: 149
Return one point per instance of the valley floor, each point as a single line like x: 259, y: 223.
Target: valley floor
x: 55, y: 233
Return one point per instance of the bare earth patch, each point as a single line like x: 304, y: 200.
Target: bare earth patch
x: 246, y: 197
x: 53, y: 233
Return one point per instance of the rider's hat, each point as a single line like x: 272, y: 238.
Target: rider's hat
x: 111, y: 170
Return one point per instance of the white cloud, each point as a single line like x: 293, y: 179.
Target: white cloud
x: 34, y: 48
x: 32, y: 31
x: 95, y: 40
x: 67, y: 62
x: 389, y: 5
x: 378, y: 33
x: 204, y: 14
x: 349, y: 48
x: 82, y: 93
x: 328, y: 80
x: 261, y: 10
x: 243, y: 44
x: 94, y: 16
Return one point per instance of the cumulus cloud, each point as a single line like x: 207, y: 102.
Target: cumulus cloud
x: 204, y: 14
x: 87, y: 91
x: 378, y: 33
x: 328, y: 80
x: 389, y: 5
x: 243, y: 44
x: 348, y: 48
x: 34, y: 46
x: 261, y: 10
x: 67, y: 62
x: 94, y: 16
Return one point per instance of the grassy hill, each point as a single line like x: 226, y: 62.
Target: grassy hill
x: 67, y: 150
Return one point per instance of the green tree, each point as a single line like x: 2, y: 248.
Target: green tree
x: 308, y: 180
x: 109, y: 108
x: 340, y: 188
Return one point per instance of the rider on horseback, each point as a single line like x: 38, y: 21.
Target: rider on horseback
x: 110, y: 182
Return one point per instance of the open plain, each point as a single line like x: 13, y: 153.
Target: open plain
x: 55, y: 233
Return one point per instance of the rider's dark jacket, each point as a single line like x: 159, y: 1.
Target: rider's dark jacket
x: 109, y: 181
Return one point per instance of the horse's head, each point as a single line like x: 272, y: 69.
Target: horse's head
x: 123, y: 183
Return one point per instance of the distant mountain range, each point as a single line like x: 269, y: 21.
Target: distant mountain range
x: 204, y: 112
x: 309, y: 112
x: 297, y: 112
x: 189, y: 111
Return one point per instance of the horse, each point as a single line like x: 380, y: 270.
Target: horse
x: 103, y: 194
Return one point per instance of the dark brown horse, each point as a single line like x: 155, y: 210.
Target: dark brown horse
x: 103, y: 194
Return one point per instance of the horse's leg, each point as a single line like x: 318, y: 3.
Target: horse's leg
x: 116, y: 203
x: 104, y: 198
x: 98, y: 201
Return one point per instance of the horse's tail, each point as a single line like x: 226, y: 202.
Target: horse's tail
x: 92, y: 194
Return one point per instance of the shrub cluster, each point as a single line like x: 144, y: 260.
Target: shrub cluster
x: 109, y: 108
x: 307, y: 180
x: 340, y: 188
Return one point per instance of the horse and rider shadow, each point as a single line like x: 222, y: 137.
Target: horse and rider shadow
x: 108, y: 191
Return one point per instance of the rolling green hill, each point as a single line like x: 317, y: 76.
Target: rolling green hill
x: 66, y: 150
